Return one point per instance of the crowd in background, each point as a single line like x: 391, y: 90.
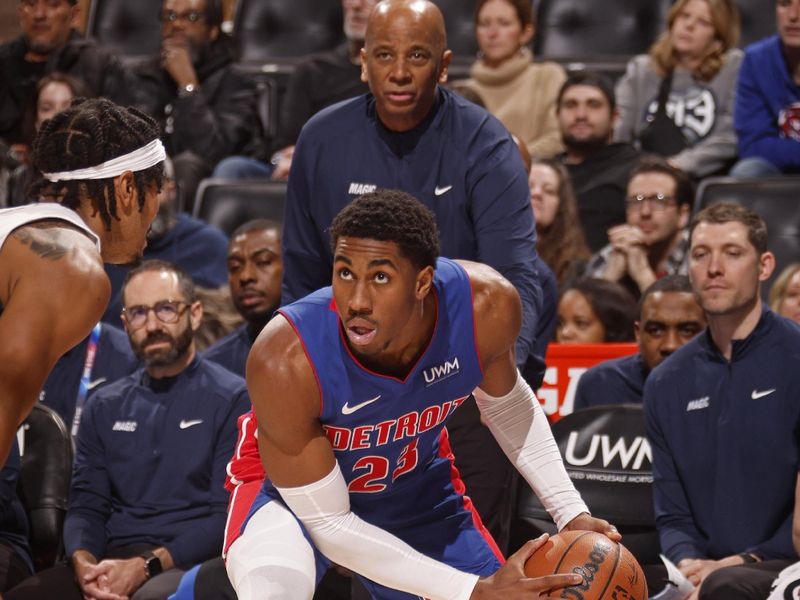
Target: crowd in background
x: 612, y: 166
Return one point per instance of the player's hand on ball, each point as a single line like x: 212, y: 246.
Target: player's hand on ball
x: 586, y: 522
x: 510, y: 582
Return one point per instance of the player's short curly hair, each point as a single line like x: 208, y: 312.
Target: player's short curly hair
x: 391, y: 216
x: 88, y: 133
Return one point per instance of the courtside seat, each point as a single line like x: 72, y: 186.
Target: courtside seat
x: 129, y: 28
x: 228, y: 203
x: 609, y: 460
x: 45, y: 472
x: 775, y: 199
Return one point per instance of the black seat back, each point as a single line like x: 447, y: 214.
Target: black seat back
x: 266, y: 30
x: 575, y: 29
x: 609, y: 459
x: 130, y: 29
x: 228, y: 203
x: 758, y: 20
x: 44, y: 478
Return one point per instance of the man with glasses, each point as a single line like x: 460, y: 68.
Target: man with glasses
x: 48, y: 43
x: 206, y: 108
x: 147, y: 498
x: 653, y: 241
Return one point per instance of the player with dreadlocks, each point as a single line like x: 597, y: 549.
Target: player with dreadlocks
x: 102, y: 167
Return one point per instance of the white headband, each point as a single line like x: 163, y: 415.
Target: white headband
x: 138, y: 160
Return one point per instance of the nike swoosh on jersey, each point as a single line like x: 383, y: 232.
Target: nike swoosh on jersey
x: 442, y: 190
x: 349, y: 410
x: 96, y: 382
x: 756, y: 394
x: 187, y: 424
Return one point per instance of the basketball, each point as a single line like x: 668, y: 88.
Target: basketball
x: 608, y: 569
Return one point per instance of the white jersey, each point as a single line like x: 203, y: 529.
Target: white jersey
x: 14, y: 218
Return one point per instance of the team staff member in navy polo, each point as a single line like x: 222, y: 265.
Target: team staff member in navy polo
x: 147, y: 499
x: 722, y: 417
x: 410, y: 133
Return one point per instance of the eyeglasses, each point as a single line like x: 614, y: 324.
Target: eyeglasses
x: 193, y: 16
x: 656, y: 201
x: 166, y: 311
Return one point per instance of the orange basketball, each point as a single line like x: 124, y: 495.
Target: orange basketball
x: 608, y: 569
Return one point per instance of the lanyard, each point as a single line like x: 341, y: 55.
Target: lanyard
x: 83, y: 388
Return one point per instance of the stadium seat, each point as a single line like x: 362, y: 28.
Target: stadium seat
x: 43, y: 485
x: 228, y: 203
x: 775, y: 199
x: 758, y: 20
x: 597, y: 35
x: 285, y: 29
x: 130, y: 29
x: 460, y: 25
x: 609, y: 460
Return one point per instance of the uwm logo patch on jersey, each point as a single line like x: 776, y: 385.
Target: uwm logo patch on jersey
x: 440, y: 372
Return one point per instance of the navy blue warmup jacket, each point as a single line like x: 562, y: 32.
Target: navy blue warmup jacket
x: 725, y: 447
x: 460, y: 162
x: 616, y: 381
x: 150, y: 463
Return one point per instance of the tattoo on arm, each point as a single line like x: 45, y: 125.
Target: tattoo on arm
x: 46, y: 243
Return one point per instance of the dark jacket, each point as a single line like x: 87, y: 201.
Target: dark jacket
x: 214, y: 122
x: 103, y: 72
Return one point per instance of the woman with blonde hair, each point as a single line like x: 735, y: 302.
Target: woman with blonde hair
x: 561, y: 244
x: 516, y: 90
x: 784, y: 297
x: 677, y: 101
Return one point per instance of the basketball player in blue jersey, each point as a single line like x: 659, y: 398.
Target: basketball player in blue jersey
x: 351, y: 387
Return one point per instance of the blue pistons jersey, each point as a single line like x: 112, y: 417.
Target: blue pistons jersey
x: 389, y: 435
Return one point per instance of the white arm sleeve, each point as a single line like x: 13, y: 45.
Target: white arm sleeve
x: 520, y: 426
x: 324, y: 508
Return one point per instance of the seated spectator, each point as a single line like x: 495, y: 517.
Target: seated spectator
x: 593, y: 311
x: 318, y: 81
x: 16, y: 563
x: 587, y: 111
x: 767, y: 115
x: 175, y: 236
x: 101, y: 358
x: 669, y: 316
x: 560, y: 242
x: 254, y: 276
x: 722, y: 418
x: 49, y: 42
x: 54, y: 92
x: 205, y: 106
x: 519, y: 92
x: 147, y: 499
x: 677, y: 101
x: 653, y: 242
x: 784, y: 297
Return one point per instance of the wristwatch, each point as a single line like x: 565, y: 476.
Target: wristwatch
x: 152, y: 565
x: 748, y: 558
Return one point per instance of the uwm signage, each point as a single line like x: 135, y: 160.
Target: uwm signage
x: 565, y: 365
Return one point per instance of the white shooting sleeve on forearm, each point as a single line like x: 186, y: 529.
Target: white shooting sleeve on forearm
x: 520, y: 426
x: 324, y: 508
